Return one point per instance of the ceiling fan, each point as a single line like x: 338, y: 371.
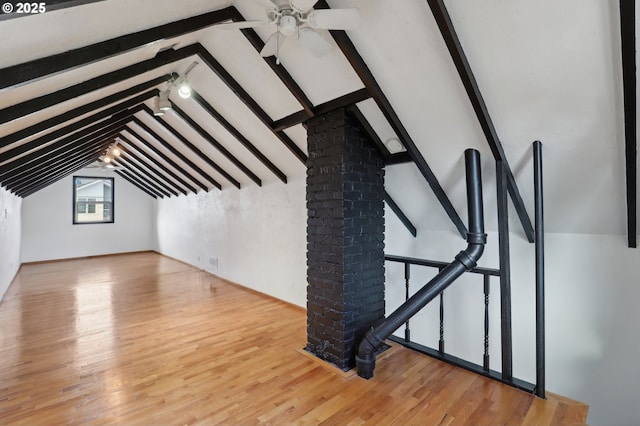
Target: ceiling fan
x: 299, y: 17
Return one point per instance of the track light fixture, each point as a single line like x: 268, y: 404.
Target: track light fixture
x: 161, y: 103
x: 184, y: 88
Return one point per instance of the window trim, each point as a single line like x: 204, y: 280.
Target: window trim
x: 74, y: 212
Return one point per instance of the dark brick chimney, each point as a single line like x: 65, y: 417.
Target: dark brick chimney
x: 345, y: 237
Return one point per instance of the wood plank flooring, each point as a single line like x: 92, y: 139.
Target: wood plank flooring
x: 141, y: 339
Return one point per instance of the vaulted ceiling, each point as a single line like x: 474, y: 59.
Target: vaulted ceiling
x: 439, y: 79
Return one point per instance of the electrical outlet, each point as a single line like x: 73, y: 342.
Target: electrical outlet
x: 213, y: 261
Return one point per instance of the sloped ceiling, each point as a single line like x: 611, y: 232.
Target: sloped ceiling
x: 548, y: 71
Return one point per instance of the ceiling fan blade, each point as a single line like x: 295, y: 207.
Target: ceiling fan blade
x: 335, y: 19
x: 314, y: 42
x: 304, y: 5
x: 240, y: 25
x: 273, y: 45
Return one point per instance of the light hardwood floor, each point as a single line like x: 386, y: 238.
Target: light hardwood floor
x: 141, y: 339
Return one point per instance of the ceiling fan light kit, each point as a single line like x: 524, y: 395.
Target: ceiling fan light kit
x: 299, y: 17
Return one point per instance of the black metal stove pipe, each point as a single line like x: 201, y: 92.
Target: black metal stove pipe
x: 464, y: 261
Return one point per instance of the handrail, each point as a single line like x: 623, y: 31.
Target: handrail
x: 464, y: 261
x: 437, y: 264
x: 539, y: 387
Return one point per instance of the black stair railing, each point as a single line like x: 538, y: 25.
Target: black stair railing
x: 465, y: 260
x: 503, y: 276
x: 440, y: 352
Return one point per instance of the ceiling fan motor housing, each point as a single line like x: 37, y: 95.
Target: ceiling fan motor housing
x: 288, y: 24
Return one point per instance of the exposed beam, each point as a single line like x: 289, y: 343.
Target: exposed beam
x: 217, y: 145
x: 88, y: 148
x: 81, y: 110
x: 362, y: 70
x: 165, y: 171
x: 239, y: 136
x: 628, y: 38
x: 150, y: 180
x: 64, y: 143
x: 341, y: 102
x: 253, y: 106
x: 132, y: 179
x: 142, y: 164
x: 36, y: 104
x: 374, y: 139
x: 26, y: 72
x: 471, y: 85
x: 136, y: 184
x: 46, y: 138
x: 165, y: 157
x: 38, y: 169
x: 189, y: 145
x: 53, y: 180
x: 398, y: 158
x: 398, y: 211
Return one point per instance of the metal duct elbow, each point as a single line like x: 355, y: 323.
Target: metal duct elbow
x: 464, y: 261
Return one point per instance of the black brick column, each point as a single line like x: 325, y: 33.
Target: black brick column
x: 345, y: 237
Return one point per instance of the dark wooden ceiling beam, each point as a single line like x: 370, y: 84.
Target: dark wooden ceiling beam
x: 75, y: 126
x: 36, y: 104
x: 88, y: 149
x: 253, y: 106
x: 29, y: 71
x: 56, y: 175
x: 39, y: 169
x: 239, y: 136
x: 162, y: 155
x: 165, y: 170
x: 59, y: 176
x: 456, y: 51
x: 146, y: 177
x: 398, y: 158
x: 400, y: 214
x: 62, y: 144
x: 149, y: 170
x: 134, y: 178
x: 193, y: 149
x: 217, y: 145
x: 362, y: 70
x: 373, y: 137
x: 341, y: 102
x: 81, y: 110
x: 629, y: 82
x: 136, y: 184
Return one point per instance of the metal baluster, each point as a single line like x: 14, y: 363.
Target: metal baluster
x: 441, y: 342
x: 407, y: 275
x: 486, y: 323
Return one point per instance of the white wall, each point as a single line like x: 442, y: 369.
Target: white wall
x: 48, y: 231
x: 258, y: 235
x: 592, y: 315
x: 10, y: 239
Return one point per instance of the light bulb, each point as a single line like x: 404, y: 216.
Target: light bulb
x: 184, y: 90
x: 115, y: 151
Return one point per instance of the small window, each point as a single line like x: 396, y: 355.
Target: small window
x: 92, y: 200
